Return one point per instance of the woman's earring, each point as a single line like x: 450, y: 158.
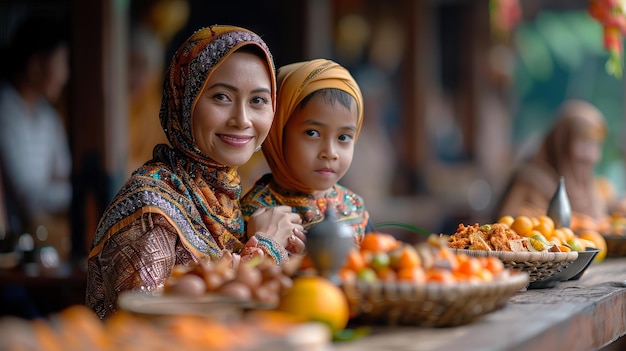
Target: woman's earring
x: 257, y: 148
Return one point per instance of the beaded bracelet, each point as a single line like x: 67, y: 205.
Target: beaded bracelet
x: 272, y: 248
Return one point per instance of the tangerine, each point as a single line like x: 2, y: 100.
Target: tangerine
x: 440, y: 275
x: 409, y: 258
x: 378, y: 242
x: 559, y: 235
x: 522, y: 225
x: 569, y: 233
x: 315, y: 298
x: 355, y: 261
x: 547, y: 221
x: 545, y: 229
x: 598, y: 241
x: 414, y: 275
x: 494, y: 265
x: 507, y: 220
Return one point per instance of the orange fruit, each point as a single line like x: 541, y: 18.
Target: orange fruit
x: 569, y: 233
x: 598, y: 241
x: 545, y: 227
x: 485, y: 275
x: 535, y: 220
x: 409, y: 258
x: 494, y: 265
x: 522, y: 225
x: 315, y: 298
x: 414, y: 275
x: 355, y: 261
x: 547, y: 221
x: 559, y: 234
x: 386, y: 274
x: 508, y: 220
x: 469, y: 267
x: 377, y: 242
x: 440, y: 275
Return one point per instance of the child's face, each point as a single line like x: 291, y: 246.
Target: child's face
x: 319, y: 143
x: 234, y: 112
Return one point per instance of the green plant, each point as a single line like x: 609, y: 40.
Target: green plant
x: 407, y: 226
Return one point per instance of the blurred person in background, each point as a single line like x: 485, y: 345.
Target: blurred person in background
x: 34, y: 151
x: 572, y: 149
x: 154, y: 24
x: 144, y: 90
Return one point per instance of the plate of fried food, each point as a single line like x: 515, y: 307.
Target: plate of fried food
x: 516, y: 252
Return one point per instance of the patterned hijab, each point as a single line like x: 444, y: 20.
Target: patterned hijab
x: 197, y: 195
x: 295, y: 82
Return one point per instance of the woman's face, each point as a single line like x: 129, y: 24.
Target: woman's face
x: 234, y: 112
x: 319, y: 143
x: 587, y: 152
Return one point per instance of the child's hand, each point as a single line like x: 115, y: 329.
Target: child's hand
x: 296, y: 242
x: 251, y: 250
x: 277, y: 222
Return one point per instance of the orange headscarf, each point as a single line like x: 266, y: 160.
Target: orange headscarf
x: 295, y: 82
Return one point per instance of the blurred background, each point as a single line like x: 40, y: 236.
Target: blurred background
x: 453, y: 101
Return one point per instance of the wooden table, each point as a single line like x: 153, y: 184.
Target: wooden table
x: 587, y: 314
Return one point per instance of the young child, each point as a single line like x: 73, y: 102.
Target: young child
x: 310, y: 146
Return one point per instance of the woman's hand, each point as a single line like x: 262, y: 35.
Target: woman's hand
x: 279, y: 223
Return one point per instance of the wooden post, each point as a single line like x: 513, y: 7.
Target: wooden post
x: 97, y: 111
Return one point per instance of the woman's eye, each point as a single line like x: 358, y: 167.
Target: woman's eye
x: 220, y: 97
x: 312, y: 133
x: 258, y: 100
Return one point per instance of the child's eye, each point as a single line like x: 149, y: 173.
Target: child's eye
x: 312, y: 133
x: 345, y: 137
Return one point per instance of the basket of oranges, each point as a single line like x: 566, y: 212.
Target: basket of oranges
x: 390, y: 282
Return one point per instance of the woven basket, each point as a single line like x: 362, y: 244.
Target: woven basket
x: 432, y: 304
x: 615, y: 245
x: 538, y: 265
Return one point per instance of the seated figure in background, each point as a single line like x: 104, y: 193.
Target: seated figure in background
x: 572, y: 149
x: 34, y: 149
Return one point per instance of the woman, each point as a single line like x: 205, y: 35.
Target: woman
x: 218, y: 106
x: 571, y: 149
